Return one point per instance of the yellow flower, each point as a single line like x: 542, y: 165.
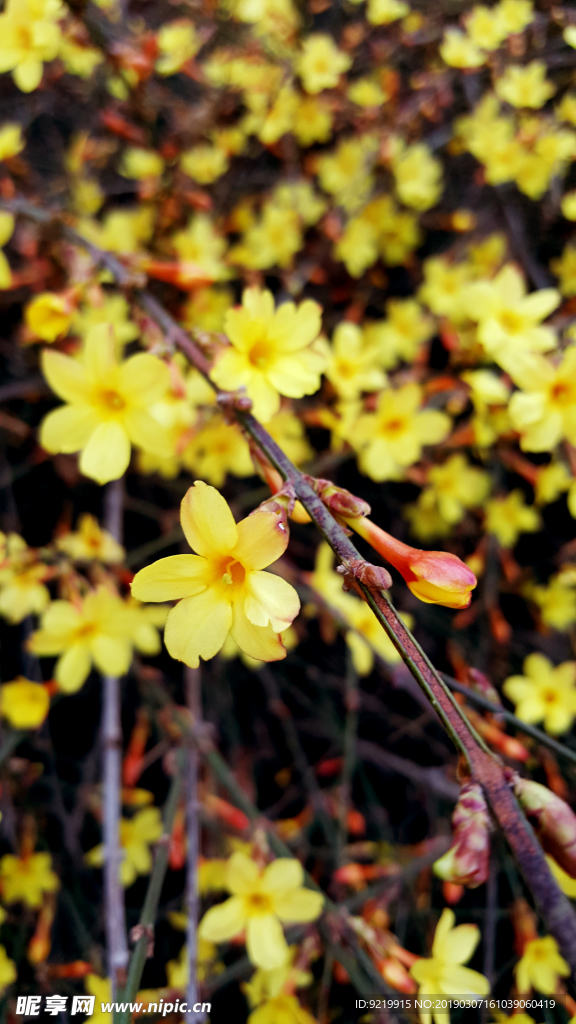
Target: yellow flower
x: 204, y: 163
x: 223, y: 587
x: 273, y: 241
x: 260, y: 901
x: 26, y: 879
x: 508, y: 517
x: 485, y: 27
x: 11, y: 141
x: 540, y: 967
x: 108, y: 405
x: 346, y: 173
x: 49, y: 315
x: 206, y: 308
x: 358, y: 246
x: 442, y: 973
x: 366, y: 92
x: 570, y: 35
x: 23, y: 703
x: 443, y: 287
x: 568, y: 205
x: 6, y: 231
x: 280, y: 117
x: 178, y: 971
x: 8, y: 972
x: 102, y: 989
x: 273, y: 352
x: 557, y: 602
x: 288, y: 432
x: 216, y: 449
x: 545, y: 410
x: 544, y: 693
x: 508, y: 318
x: 312, y: 121
x: 78, y: 59
x: 352, y: 365
x: 402, y: 333
x: 29, y: 35
x: 515, y: 15
x: 321, y: 63
x: 392, y: 437
x: 178, y: 42
x: 90, y: 543
x: 107, y: 309
x: 136, y: 835
x: 121, y: 231
x: 552, y: 480
x: 384, y: 12
x: 201, y: 245
x: 301, y: 197
x: 455, y: 486
x: 266, y: 984
x: 565, y: 269
x: 22, y: 591
x: 565, y: 881
x: 525, y: 86
x: 140, y: 164
x: 281, y: 1009
x: 459, y: 51
x: 92, y: 630
x: 418, y: 177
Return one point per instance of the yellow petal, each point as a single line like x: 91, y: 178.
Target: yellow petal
x: 73, y: 668
x: 197, y: 627
x: 144, y: 379
x: 100, y: 352
x: 259, y: 642
x: 28, y: 74
x: 270, y: 599
x: 463, y: 981
x: 207, y: 521
x: 67, y: 377
x: 224, y: 921
x: 171, y: 578
x: 299, y: 905
x: 283, y: 873
x: 242, y: 874
x: 107, y: 454
x: 262, y: 538
x: 445, y: 924
x: 67, y: 429
x: 111, y: 654
x: 144, y: 431
x: 265, y: 942
x: 459, y: 945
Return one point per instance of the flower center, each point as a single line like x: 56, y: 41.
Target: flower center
x: 112, y: 400
x: 259, y: 903
x: 345, y: 369
x: 511, y: 321
x: 563, y: 393
x: 260, y: 354
x: 85, y: 630
x: 234, y: 574
x: 394, y: 426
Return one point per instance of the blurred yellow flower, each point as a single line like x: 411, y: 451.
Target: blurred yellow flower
x: 8, y: 972
x: 23, y: 703
x: 29, y: 35
x: 565, y: 268
x: 565, y: 881
x: 25, y: 879
x: 140, y: 164
x: 178, y: 971
x: 11, y: 141
x: 544, y: 693
x: 393, y: 436
x: 92, y: 630
x: 525, y: 86
x: 22, y: 590
x: 204, y: 163
x: 443, y: 973
x: 353, y: 362
x: 459, y: 51
x: 108, y: 405
x: 556, y: 601
x: 312, y: 121
x: 455, y: 486
x: 223, y: 588
x: 106, y: 308
x: 272, y: 241
x: 90, y: 542
x: 544, y: 411
x: 321, y: 63
x: 540, y: 967
x: 418, y: 176
x: 49, y: 315
x: 261, y: 901
x: 136, y: 836
x: 178, y: 42
x: 515, y: 15
x: 384, y: 12
x: 121, y: 230
x: 273, y: 351
x: 507, y: 518
x: 216, y: 449
x: 281, y: 1009
x: 403, y: 332
x: 201, y: 244
x: 485, y: 27
x: 509, y: 319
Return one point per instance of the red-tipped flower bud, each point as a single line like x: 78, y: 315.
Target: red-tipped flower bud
x: 553, y: 820
x: 340, y: 501
x: 466, y: 862
x: 435, y: 577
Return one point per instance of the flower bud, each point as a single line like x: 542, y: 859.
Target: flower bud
x: 435, y: 577
x: 553, y: 820
x: 340, y: 501
x: 466, y: 862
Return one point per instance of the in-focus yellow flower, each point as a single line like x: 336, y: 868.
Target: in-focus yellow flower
x: 418, y: 176
x: 11, y: 141
x: 544, y: 693
x: 108, y: 405
x: 353, y: 363
x: 92, y: 630
x: 321, y: 63
x: 556, y: 601
x: 525, y: 86
x: 204, y: 163
x: 223, y: 587
x: 261, y: 902
x: 141, y: 164
x: 392, y: 437
x: 545, y: 410
x: 508, y: 517
x: 26, y: 879
x: 459, y: 51
x: 22, y: 590
x: 90, y: 543
x: 29, y: 35
x: 274, y: 351
x: 23, y: 703
x: 136, y: 836
x: 509, y: 319
x: 540, y: 967
x: 178, y: 42
x: 49, y: 315
x: 443, y: 974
